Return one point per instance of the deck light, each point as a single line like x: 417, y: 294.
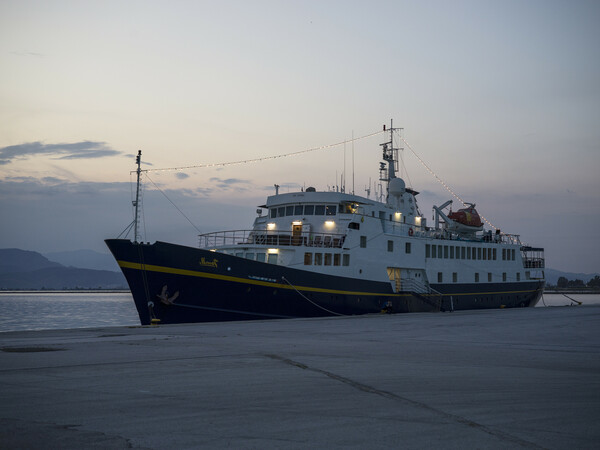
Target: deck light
x: 271, y: 226
x: 329, y: 223
x: 272, y: 251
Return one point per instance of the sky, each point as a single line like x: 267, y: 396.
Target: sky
x: 501, y: 99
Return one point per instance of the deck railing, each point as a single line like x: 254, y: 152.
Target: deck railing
x: 270, y: 238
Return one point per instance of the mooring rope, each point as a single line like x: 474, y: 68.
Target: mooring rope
x: 306, y: 298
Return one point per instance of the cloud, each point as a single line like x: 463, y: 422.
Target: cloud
x: 181, y: 175
x: 227, y: 183
x: 76, y: 150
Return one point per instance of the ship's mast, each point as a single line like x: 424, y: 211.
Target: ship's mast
x: 390, y: 155
x: 136, y: 203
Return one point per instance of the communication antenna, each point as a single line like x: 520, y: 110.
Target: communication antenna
x: 136, y: 203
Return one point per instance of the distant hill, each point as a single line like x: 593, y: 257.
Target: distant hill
x: 85, y: 259
x: 21, y: 269
x: 552, y: 276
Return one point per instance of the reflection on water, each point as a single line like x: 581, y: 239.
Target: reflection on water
x: 59, y: 310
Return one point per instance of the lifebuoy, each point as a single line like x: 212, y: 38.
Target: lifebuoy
x: 410, y: 232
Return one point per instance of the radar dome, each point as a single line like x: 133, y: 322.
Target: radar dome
x: 397, y: 187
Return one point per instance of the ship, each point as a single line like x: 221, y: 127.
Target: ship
x: 314, y: 253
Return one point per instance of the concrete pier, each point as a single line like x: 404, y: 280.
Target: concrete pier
x: 522, y: 378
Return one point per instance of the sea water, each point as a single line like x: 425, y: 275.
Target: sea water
x: 42, y: 310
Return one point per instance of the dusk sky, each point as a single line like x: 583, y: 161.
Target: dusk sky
x: 501, y: 99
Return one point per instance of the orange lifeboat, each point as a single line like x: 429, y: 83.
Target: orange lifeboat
x: 467, y: 216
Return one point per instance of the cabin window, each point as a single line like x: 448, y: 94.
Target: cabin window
x: 494, y: 254
x: 489, y: 250
x: 363, y: 242
x: 346, y: 259
x: 439, y: 251
x: 327, y: 259
x: 462, y: 253
x: 433, y: 251
x: 518, y: 276
x: 318, y: 259
x: 451, y: 252
x: 489, y: 277
x: 382, y: 215
x: 476, y: 277
x: 445, y: 252
x: 354, y: 226
x: 390, y: 246
x: 331, y: 210
x: 479, y: 253
x: 260, y: 257
x: 454, y: 277
x: 512, y: 254
x: 249, y: 255
x: 474, y: 253
x: 440, y: 277
x: 308, y: 259
x: 528, y: 275
x: 239, y: 254
x: 319, y: 210
x: 503, y: 254
x: 336, y: 259
x: 407, y: 248
x: 309, y: 210
x: 503, y: 276
x: 427, y: 251
x: 289, y: 210
x: 273, y: 212
x: 298, y: 210
x: 272, y: 258
x: 484, y: 254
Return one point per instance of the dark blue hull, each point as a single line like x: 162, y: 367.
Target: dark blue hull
x: 178, y: 284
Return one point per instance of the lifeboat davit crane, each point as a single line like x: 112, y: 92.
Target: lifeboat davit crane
x: 464, y: 221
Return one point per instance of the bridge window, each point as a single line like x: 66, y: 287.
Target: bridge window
x: 451, y: 252
x: 445, y: 252
x: 331, y: 210
x: 273, y: 212
x: 289, y: 210
x: 494, y: 254
x: 298, y: 210
x: 319, y: 210
x: 281, y: 211
x: 309, y: 210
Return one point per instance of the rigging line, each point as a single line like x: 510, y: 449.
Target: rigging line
x: 264, y: 158
x: 410, y: 183
x: 174, y: 205
x: 442, y: 182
